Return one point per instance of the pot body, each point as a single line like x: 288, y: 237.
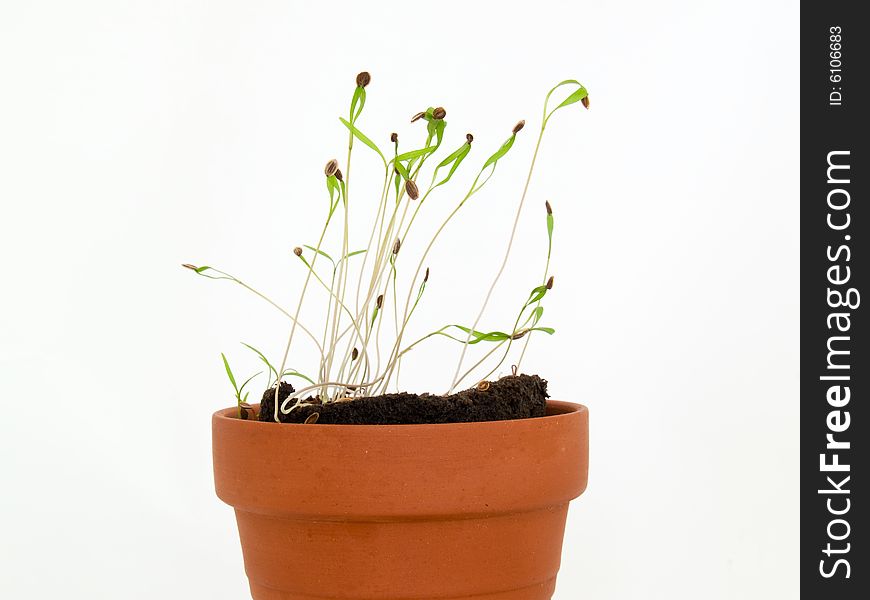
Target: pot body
x: 471, y: 511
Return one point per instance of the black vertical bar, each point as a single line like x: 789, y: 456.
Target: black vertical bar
x: 835, y: 370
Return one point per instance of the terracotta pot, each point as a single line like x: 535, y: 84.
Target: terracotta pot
x: 369, y: 512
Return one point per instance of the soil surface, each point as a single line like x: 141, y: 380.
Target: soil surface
x: 511, y: 397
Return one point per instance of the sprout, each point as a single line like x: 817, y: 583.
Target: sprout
x: 357, y: 351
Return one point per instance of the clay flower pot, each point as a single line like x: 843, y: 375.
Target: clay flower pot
x: 369, y: 512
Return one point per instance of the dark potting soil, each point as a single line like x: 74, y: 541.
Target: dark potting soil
x: 511, y: 397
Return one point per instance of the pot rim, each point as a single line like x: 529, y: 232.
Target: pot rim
x: 556, y: 409
x: 362, y: 472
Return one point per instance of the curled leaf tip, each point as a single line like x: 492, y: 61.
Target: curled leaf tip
x: 439, y: 113
x: 585, y: 101
x: 394, y: 137
x: 297, y: 251
x: 549, y: 208
x: 469, y: 138
x: 550, y: 282
x: 331, y: 168
x: 519, y: 126
x: 363, y: 79
x: 418, y: 116
x: 412, y: 189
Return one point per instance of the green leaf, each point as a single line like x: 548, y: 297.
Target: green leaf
x: 537, y: 314
x: 354, y: 253
x: 364, y: 139
x: 320, y: 252
x: 415, y: 153
x: 230, y: 373
x: 477, y: 336
x: 455, y: 159
x: 201, y: 269
x: 402, y: 171
x: 547, y: 330
x: 575, y: 96
x: 500, y: 152
x: 263, y: 358
x: 537, y: 294
x: 248, y: 380
x: 359, y: 98
x: 550, y: 227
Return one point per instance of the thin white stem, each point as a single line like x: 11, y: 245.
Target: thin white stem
x: 273, y: 303
x: 504, y: 260
x: 299, y: 308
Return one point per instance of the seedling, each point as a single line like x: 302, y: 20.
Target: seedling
x: 357, y: 353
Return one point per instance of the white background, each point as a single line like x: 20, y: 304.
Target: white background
x: 135, y: 136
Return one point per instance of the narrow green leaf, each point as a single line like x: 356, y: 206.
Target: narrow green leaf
x: 500, y: 152
x: 230, y: 373
x: 201, y: 269
x: 357, y: 103
x: 248, y: 380
x: 263, y: 358
x: 402, y: 171
x: 415, y: 153
x: 481, y: 336
x: 537, y: 294
x: 455, y: 159
x: 575, y: 96
x: 547, y: 330
x: 320, y: 252
x: 364, y: 139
